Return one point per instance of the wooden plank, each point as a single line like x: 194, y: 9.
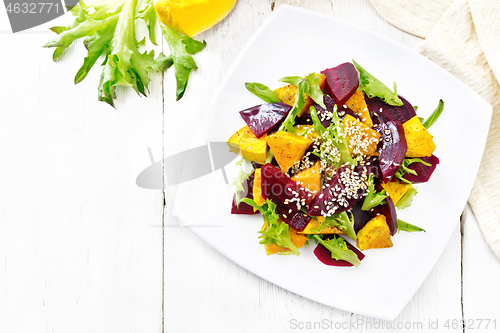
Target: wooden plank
x: 204, y: 291
x: 80, y: 243
x: 481, y: 269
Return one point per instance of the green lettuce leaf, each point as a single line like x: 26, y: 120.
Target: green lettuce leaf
x: 373, y: 198
x: 276, y: 232
x: 342, y: 221
x: 372, y: 87
x: 435, y: 115
x: 263, y: 92
x: 403, y: 169
x: 339, y: 250
x: 181, y: 49
x: 407, y: 199
x: 148, y: 14
x: 333, y: 135
x: 404, y: 226
x: 289, y: 122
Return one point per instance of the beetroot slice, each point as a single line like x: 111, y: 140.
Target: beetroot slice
x: 324, y: 255
x: 424, y: 172
x: 342, y: 191
x: 361, y: 217
x: 244, y: 208
x: 262, y: 118
x: 391, y: 148
x: 341, y: 82
x: 401, y: 113
x: 286, y: 194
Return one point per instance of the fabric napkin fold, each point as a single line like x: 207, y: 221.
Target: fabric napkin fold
x: 463, y: 36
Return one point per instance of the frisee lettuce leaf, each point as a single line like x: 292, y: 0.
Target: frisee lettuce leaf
x: 275, y: 232
x: 108, y: 27
x: 372, y: 87
x: 334, y: 134
x: 403, y: 169
x: 373, y: 198
x: 181, y: 48
x: 405, y: 226
x: 407, y: 199
x: 313, y: 89
x: 263, y: 92
x: 301, y: 83
x: 342, y: 221
x: 239, y: 180
x: 339, y: 250
x: 435, y: 115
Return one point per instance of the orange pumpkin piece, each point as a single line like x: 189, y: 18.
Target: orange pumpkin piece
x: 287, y: 148
x: 357, y: 104
x: 309, y: 178
x: 361, y: 139
x: 374, y: 235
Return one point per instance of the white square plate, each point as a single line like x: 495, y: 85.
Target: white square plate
x: 294, y: 41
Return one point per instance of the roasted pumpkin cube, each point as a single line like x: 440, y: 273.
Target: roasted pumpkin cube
x: 375, y: 234
x: 309, y: 178
x: 297, y: 239
x: 315, y: 223
x: 287, y: 95
x: 287, y: 148
x: 244, y: 142
x: 419, y: 140
x: 396, y: 190
x: 257, y: 188
x: 357, y: 104
x: 361, y: 139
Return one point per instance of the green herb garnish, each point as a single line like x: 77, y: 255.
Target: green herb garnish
x: 339, y: 250
x: 263, y: 92
x: 372, y: 87
x: 407, y: 199
x: 404, y: 226
x: 342, y: 221
x: 435, y: 115
x: 403, y: 169
x: 275, y: 232
x: 372, y: 197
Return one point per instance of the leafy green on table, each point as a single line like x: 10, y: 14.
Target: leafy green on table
x: 181, y: 49
x: 372, y: 87
x: 373, y: 198
x: 405, y: 226
x: 108, y: 27
x: 435, y: 115
x: 275, y: 232
x: 263, y: 92
x: 338, y: 249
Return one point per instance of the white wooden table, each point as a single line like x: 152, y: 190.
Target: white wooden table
x: 83, y: 249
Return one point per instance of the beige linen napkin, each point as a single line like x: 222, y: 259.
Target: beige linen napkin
x: 463, y: 36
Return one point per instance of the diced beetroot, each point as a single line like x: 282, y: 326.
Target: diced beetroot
x: 262, y: 118
x: 325, y: 256
x: 342, y: 82
x: 339, y: 194
x: 401, y: 113
x: 361, y: 217
x: 389, y: 211
x: 244, y: 208
x: 391, y: 148
x: 424, y: 172
x: 286, y: 194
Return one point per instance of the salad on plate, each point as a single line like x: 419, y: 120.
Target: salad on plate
x: 333, y: 156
